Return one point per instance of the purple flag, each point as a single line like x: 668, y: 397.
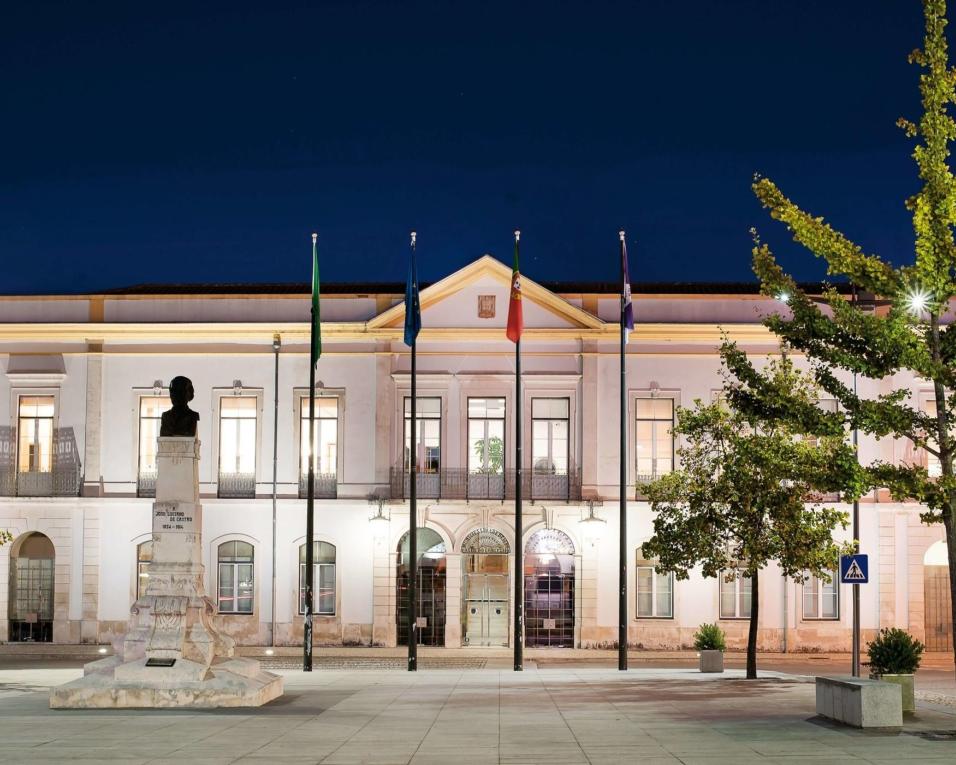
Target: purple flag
x: 627, y: 312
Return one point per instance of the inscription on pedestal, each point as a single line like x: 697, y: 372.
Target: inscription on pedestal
x: 171, y: 516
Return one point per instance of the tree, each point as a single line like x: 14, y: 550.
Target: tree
x: 740, y: 497
x: 906, y: 334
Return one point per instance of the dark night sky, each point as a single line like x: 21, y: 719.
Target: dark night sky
x: 204, y: 141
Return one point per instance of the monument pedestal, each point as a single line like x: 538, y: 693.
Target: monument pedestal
x: 172, y: 656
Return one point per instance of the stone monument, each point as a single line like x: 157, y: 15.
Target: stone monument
x: 173, y: 655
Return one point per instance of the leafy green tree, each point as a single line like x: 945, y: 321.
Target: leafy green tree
x: 910, y: 331
x: 744, y: 493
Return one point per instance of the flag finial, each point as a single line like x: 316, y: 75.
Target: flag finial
x: 414, y: 236
x: 314, y: 237
x: 621, y: 234
x: 517, y: 235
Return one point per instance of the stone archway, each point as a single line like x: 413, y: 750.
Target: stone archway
x: 485, y: 588
x: 938, y: 614
x: 549, y: 590
x: 30, y: 607
x: 432, y: 566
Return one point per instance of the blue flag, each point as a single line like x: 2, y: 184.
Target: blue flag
x: 413, y: 308
x: 627, y: 319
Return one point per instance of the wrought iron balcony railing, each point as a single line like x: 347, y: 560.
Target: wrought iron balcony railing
x: 463, y: 484
x: 62, y: 476
x: 237, y: 485
x: 146, y: 483
x: 325, y: 487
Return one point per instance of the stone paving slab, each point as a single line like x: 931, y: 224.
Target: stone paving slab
x: 469, y: 716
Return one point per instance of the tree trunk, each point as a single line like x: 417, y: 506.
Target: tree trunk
x: 752, y: 633
x: 944, y: 444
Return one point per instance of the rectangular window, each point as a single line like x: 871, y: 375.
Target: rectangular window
x: 325, y: 439
x: 151, y: 410
x: 735, y: 597
x: 486, y: 435
x: 654, y: 430
x: 324, y: 576
x: 35, y: 431
x: 237, y: 446
x: 655, y: 592
x: 550, y: 435
x: 821, y: 600
x: 428, y: 434
x: 236, y: 594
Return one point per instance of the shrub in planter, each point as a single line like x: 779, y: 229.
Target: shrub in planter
x: 710, y: 641
x: 895, y: 656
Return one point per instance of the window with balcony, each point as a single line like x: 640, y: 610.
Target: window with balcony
x: 35, y: 446
x: 654, y: 431
x: 655, y: 592
x: 486, y: 447
x: 427, y: 436
x: 735, y: 595
x: 821, y: 599
x: 151, y: 410
x: 549, y: 435
x: 325, y: 444
x: 323, y: 578
x: 237, y: 446
x: 236, y: 563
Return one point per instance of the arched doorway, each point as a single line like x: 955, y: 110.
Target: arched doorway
x: 938, y: 614
x: 549, y: 590
x: 31, y: 589
x: 485, y: 597
x: 431, y: 588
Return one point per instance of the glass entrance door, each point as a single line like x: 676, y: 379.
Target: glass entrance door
x: 431, y: 589
x: 549, y: 590
x: 486, y: 600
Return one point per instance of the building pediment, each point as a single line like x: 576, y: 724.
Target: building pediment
x: 477, y: 297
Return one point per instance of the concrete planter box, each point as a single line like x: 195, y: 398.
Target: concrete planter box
x: 711, y: 661
x: 907, y: 684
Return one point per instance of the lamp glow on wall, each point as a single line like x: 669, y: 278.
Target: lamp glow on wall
x: 379, y: 521
x: 592, y: 525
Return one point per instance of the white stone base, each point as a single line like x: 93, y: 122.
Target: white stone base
x: 111, y: 684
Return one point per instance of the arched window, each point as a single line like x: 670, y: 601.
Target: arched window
x: 655, y: 592
x: 236, y: 563
x: 323, y: 578
x: 144, y: 556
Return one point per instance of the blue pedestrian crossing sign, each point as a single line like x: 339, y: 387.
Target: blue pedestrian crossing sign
x: 854, y: 569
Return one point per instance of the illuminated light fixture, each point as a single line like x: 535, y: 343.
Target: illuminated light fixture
x: 783, y: 296
x: 237, y: 387
x: 917, y: 300
x: 592, y: 525
x: 102, y: 651
x: 379, y: 520
x: 269, y: 652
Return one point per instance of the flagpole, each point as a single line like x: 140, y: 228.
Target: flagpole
x: 519, y: 565
x: 413, y: 510
x: 310, y: 501
x: 622, y: 541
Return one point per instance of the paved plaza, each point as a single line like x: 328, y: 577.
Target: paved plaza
x: 463, y: 716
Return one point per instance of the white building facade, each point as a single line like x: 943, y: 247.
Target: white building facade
x: 85, y: 379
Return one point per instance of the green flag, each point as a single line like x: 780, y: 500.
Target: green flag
x: 316, y: 326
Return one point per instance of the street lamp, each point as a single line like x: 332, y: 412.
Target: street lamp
x: 592, y: 525
x: 379, y: 521
x: 917, y: 300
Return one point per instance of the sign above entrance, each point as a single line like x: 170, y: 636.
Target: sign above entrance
x: 854, y: 569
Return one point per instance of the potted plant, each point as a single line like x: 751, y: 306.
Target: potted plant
x: 894, y: 657
x: 710, y: 644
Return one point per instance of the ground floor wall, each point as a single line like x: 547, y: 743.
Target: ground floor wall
x: 570, y: 583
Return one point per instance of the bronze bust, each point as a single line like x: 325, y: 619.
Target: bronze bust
x: 180, y: 420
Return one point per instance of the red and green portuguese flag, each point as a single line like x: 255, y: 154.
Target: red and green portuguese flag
x: 316, y: 327
x: 515, y: 319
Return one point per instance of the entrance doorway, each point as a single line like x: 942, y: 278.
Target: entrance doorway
x: 431, y: 589
x: 485, y: 565
x: 939, y: 615
x: 549, y: 590
x: 31, y: 589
